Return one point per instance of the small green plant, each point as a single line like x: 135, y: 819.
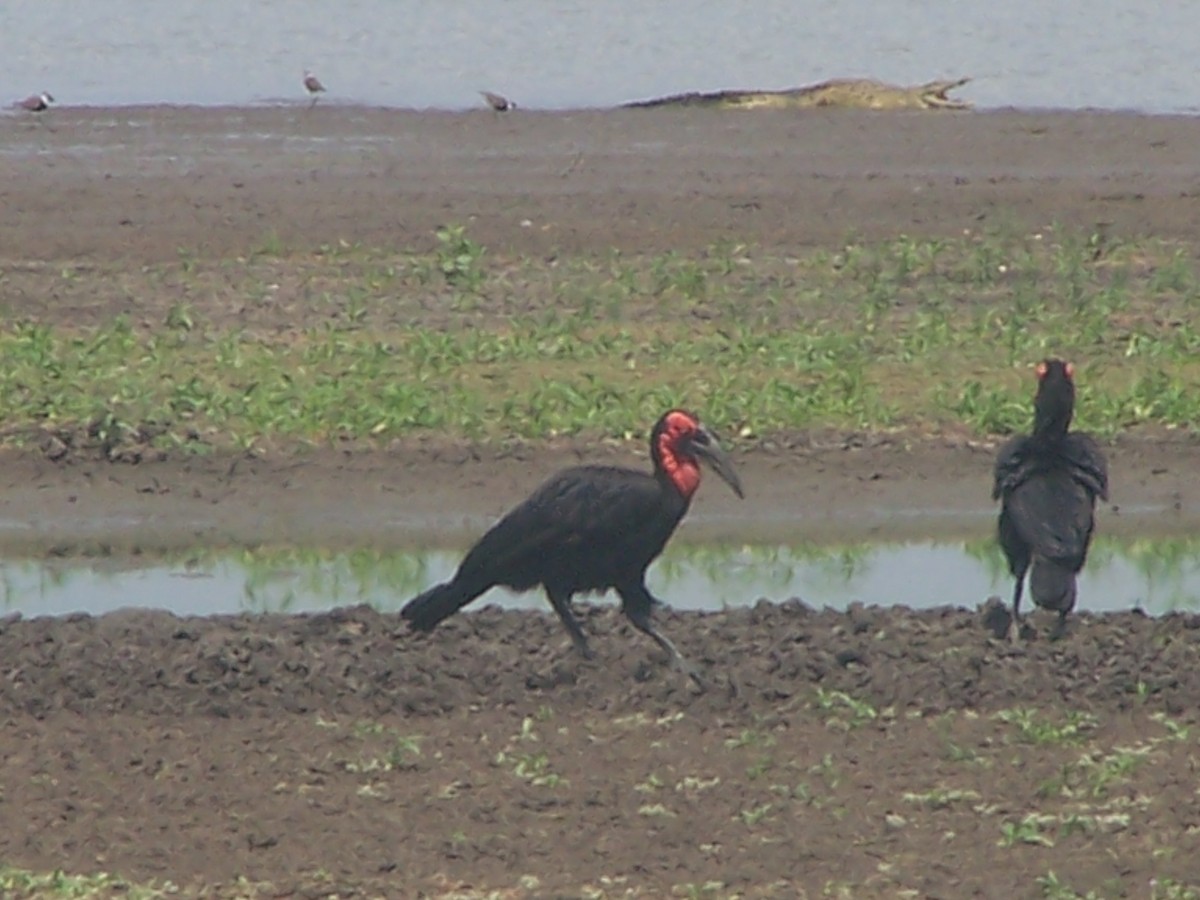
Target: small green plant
x: 941, y: 797
x: 459, y: 258
x: 1035, y: 729
x: 693, y: 891
x: 1102, y: 771
x: 1175, y: 731
x: 828, y: 771
x: 1028, y: 830
x: 749, y: 737
x: 1054, y: 888
x: 760, y: 767
x: 1170, y: 889
x: 181, y: 317
x: 401, y: 755
x: 755, y: 814
x: 533, y: 767
x: 272, y: 245
x: 22, y: 884
x: 834, y: 702
x: 655, y: 810
x: 651, y: 784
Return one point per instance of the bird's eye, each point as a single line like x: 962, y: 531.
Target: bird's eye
x: 700, y: 437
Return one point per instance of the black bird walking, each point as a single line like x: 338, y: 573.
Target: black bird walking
x: 589, y: 528
x: 1048, y: 482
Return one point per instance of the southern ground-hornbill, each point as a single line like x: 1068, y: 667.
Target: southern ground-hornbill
x: 589, y: 528
x: 1048, y: 482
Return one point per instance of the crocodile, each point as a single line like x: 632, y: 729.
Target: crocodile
x: 848, y: 93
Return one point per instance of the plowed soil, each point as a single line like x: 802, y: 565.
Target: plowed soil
x: 874, y: 753
x: 862, y: 754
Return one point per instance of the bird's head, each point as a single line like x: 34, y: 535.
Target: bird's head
x: 1054, y: 404
x: 679, y: 442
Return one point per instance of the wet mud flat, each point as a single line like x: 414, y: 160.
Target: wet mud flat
x: 868, y: 752
x: 143, y: 183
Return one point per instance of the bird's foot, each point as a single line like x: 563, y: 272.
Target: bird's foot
x: 691, y: 672
x: 1014, y: 631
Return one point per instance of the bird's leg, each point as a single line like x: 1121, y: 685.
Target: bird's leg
x: 1014, y: 625
x: 1060, y: 628
x: 637, y: 602
x: 561, y: 602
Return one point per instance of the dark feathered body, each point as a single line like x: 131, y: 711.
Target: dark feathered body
x: 1049, y: 498
x: 1048, y: 482
x: 589, y: 528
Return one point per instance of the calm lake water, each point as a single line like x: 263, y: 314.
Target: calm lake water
x: 1157, y: 576
x: 568, y: 54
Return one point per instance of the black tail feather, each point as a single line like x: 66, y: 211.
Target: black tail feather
x: 426, y: 610
x: 1052, y: 585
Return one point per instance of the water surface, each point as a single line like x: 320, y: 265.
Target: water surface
x: 1157, y: 576
x: 569, y: 53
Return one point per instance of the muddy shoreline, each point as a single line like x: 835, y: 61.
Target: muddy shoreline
x: 143, y: 183
x: 444, y: 495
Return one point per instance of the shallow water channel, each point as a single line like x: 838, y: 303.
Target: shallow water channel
x: 1156, y: 575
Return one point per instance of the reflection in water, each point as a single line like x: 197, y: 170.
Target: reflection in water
x: 1155, y: 575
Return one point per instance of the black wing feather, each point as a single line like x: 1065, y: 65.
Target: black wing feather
x: 577, y: 512
x: 1053, y: 515
x: 1088, y: 464
x: 1011, y: 466
x: 1050, y: 498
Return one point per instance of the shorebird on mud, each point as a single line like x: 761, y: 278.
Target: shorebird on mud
x: 313, y: 85
x: 35, y: 103
x: 498, y: 102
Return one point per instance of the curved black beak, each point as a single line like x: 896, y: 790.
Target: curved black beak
x: 707, y: 450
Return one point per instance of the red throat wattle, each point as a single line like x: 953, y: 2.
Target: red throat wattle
x: 683, y: 471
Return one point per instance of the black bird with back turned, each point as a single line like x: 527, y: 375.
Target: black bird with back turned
x: 589, y: 528
x: 1048, y: 482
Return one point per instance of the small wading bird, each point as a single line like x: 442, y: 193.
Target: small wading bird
x: 589, y: 528
x: 36, y: 103
x: 1048, y: 482
x: 313, y: 85
x: 498, y: 102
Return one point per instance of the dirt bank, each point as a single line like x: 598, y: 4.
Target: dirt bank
x: 334, y: 754
x: 822, y: 488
